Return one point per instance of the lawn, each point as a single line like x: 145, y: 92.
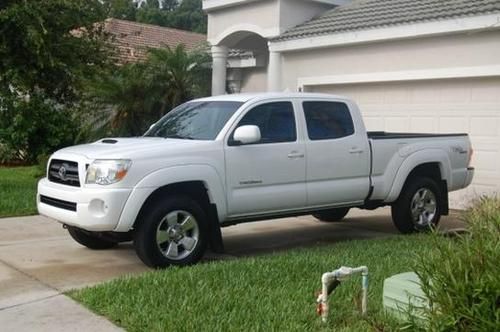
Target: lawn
x: 266, y: 293
x: 18, y: 190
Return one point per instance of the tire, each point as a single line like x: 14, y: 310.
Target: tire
x: 91, y: 240
x: 332, y: 215
x: 418, y: 207
x: 173, y: 232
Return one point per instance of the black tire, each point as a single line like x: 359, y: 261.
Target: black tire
x: 403, y: 217
x: 158, y: 255
x: 332, y: 215
x: 91, y: 240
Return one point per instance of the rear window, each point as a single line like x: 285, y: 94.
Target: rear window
x: 327, y: 120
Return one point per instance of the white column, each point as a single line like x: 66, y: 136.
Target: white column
x: 219, y: 60
x: 274, y: 72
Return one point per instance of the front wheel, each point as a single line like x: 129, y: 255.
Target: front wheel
x: 172, y: 233
x: 418, y: 207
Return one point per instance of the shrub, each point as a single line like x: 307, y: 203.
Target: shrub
x: 461, y: 277
x: 34, y: 126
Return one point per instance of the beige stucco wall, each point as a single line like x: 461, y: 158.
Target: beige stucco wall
x: 447, y: 51
x: 254, y: 79
x: 261, y: 14
x: 267, y: 18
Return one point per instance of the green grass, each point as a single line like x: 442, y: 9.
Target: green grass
x: 266, y: 293
x: 18, y: 190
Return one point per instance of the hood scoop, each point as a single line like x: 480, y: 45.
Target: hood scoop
x: 109, y: 141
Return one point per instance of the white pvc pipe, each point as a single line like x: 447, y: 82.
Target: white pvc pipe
x: 339, y: 275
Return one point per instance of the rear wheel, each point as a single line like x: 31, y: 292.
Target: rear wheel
x: 418, y: 206
x: 332, y: 215
x: 91, y: 240
x: 174, y: 232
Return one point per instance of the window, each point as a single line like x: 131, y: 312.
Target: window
x: 276, y: 122
x: 327, y: 120
x: 201, y: 120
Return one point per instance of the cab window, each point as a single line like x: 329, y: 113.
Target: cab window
x: 327, y: 120
x: 275, y: 120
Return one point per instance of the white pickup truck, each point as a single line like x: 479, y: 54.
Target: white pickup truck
x: 224, y: 160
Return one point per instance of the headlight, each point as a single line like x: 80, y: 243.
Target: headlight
x: 106, y: 172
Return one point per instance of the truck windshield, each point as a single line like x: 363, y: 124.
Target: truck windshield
x: 194, y: 120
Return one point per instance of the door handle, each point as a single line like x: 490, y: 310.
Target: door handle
x: 295, y: 154
x: 356, y: 150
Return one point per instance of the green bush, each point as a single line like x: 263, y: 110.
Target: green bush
x: 33, y: 127
x: 461, y: 277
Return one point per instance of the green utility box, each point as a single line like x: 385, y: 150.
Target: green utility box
x: 403, y: 296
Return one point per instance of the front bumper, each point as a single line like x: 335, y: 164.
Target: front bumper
x: 92, y: 209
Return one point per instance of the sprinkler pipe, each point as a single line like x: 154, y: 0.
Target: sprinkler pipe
x: 331, y: 280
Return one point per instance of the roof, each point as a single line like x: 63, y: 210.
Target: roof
x: 133, y: 38
x: 258, y: 96
x: 371, y: 14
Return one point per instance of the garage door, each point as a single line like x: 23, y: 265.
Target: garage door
x: 443, y: 106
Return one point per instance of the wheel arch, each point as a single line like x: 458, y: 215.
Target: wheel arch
x: 429, y: 163
x: 201, y: 182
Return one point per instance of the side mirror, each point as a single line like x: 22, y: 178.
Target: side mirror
x: 247, y: 134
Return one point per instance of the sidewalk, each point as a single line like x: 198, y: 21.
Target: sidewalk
x: 29, y: 303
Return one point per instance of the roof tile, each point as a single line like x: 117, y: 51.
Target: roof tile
x: 371, y: 14
x: 133, y: 39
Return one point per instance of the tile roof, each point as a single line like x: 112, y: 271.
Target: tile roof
x: 371, y: 14
x: 132, y: 38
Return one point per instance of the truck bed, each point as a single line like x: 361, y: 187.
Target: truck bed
x: 390, y: 150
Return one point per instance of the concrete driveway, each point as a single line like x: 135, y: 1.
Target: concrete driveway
x: 39, y: 261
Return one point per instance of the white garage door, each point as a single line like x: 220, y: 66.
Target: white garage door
x: 445, y: 106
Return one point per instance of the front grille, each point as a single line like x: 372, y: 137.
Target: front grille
x: 64, y: 172
x: 59, y: 203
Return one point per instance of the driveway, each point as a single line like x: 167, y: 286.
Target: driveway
x: 38, y: 262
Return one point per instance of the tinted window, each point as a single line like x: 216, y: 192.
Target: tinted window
x: 195, y: 120
x: 276, y: 122
x: 327, y: 120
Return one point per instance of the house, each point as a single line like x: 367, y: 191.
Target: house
x: 422, y: 66
x: 132, y: 39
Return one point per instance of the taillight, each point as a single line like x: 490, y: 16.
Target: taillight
x: 471, y: 152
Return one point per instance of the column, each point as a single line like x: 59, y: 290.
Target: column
x: 219, y: 61
x: 274, y: 72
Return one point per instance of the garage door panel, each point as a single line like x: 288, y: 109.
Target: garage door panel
x: 377, y: 123
x: 483, y: 126
x: 453, y: 124
x: 423, y: 124
x: 442, y: 106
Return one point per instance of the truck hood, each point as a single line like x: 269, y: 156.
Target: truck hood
x: 115, y: 148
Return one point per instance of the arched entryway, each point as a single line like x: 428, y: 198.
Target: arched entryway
x: 237, y: 53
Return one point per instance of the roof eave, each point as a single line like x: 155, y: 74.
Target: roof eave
x: 407, y: 31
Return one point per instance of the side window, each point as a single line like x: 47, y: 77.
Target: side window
x: 327, y: 120
x: 276, y: 122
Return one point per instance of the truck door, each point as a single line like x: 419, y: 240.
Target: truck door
x: 337, y: 155
x: 267, y: 176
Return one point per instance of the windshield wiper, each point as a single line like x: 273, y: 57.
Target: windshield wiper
x: 179, y: 137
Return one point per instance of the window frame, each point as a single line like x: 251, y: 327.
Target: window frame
x: 306, y: 131
x: 232, y: 142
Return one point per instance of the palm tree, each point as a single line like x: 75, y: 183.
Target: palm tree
x: 129, y: 98
x: 179, y: 75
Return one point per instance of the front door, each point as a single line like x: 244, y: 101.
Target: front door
x: 267, y: 176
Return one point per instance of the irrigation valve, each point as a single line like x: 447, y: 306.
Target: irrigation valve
x: 331, y: 280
